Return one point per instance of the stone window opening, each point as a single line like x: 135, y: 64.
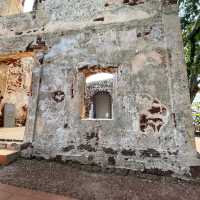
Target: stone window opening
x: 98, y: 94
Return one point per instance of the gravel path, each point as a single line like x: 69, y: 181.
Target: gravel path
x: 81, y: 184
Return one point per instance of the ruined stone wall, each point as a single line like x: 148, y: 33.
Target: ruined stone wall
x: 10, y: 7
x: 15, y: 80
x: 151, y: 127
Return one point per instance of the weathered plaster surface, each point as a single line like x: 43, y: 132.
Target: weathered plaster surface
x: 10, y: 7
x: 15, y: 80
x: 142, y: 40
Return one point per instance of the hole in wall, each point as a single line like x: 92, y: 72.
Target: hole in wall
x: 154, y: 117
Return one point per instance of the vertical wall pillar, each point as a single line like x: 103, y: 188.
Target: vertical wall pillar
x: 33, y: 103
x: 178, y: 76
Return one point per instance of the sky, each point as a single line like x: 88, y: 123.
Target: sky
x: 197, y: 98
x: 28, y: 5
x: 99, y: 77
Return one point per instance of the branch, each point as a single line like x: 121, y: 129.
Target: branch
x: 179, y: 2
x: 191, y: 38
x: 195, y: 29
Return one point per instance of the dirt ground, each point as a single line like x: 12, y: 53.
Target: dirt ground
x: 72, y: 180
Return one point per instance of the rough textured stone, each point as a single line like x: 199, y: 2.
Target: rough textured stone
x: 140, y: 43
x: 10, y: 7
x: 15, y: 81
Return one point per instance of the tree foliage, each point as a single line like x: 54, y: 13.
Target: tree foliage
x: 190, y: 23
x: 196, y: 114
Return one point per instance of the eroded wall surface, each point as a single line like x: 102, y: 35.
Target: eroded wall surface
x: 10, y: 7
x: 152, y: 125
x: 15, y: 87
